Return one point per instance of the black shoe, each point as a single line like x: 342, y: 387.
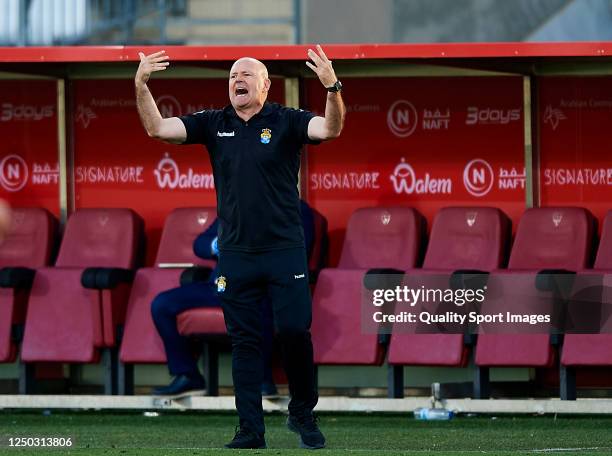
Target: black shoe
x: 310, y: 434
x: 182, y: 385
x: 269, y: 391
x: 246, y: 439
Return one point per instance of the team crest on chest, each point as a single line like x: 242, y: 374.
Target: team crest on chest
x: 266, y: 135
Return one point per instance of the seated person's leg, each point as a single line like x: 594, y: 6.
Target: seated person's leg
x: 164, y: 309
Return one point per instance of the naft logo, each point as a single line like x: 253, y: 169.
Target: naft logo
x: 13, y: 173
x: 478, y: 177
x: 169, y: 106
x: 402, y: 118
x: 169, y: 176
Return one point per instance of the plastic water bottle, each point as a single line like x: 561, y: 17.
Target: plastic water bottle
x: 433, y: 414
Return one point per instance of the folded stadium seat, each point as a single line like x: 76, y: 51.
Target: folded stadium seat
x: 555, y: 239
x: 593, y: 288
x: 208, y: 324
x: 75, y: 307
x: 28, y: 245
x: 141, y: 343
x: 376, y: 238
x: 468, y: 239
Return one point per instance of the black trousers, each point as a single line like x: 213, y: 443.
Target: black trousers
x: 282, y: 277
x: 165, y: 309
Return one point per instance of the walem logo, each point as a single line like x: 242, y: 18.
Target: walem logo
x: 169, y: 175
x: 405, y: 181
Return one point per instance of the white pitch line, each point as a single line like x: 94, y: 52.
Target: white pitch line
x: 552, y: 450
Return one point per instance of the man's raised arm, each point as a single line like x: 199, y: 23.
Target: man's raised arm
x: 330, y: 126
x: 171, y: 130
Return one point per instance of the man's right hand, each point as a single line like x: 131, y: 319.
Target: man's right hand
x: 157, y: 61
x: 170, y: 130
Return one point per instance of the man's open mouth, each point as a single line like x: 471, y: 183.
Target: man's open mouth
x: 241, y: 91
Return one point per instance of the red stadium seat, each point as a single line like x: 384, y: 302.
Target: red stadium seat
x: 588, y: 350
x: 377, y: 237
x: 75, y: 307
x: 27, y: 246
x: 141, y: 342
x: 546, y: 239
x: 462, y: 238
x: 209, y: 324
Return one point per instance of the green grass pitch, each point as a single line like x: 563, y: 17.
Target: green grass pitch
x: 191, y: 433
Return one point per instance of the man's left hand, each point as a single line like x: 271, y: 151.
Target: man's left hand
x: 322, y: 66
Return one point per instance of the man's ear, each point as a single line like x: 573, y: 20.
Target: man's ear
x: 267, y: 84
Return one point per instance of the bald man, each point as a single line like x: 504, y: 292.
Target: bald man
x: 254, y: 148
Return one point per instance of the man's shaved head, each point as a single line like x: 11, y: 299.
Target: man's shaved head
x: 257, y: 64
x: 248, y: 84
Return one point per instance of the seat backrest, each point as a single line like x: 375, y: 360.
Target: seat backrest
x: 553, y: 238
x: 382, y: 237
x: 30, y: 239
x: 182, y: 227
x: 468, y: 238
x: 603, y: 260
x: 320, y: 243
x: 101, y: 238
